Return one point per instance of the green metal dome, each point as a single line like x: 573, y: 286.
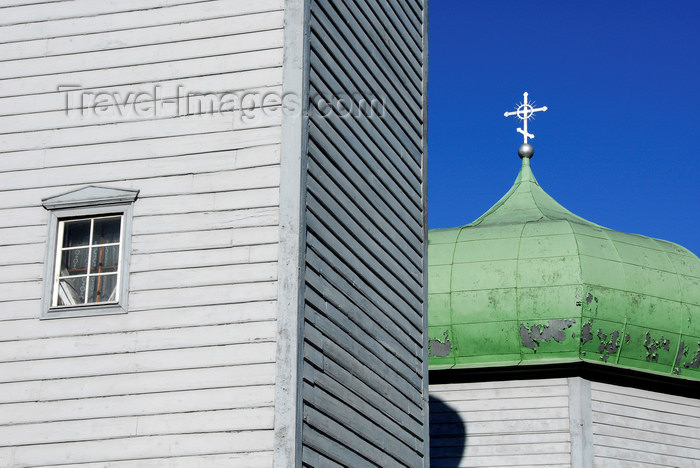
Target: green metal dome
x: 531, y: 283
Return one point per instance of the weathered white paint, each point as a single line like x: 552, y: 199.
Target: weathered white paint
x: 146, y: 361
x: 155, y: 13
x: 145, y: 54
x: 139, y: 447
x: 159, y: 381
x: 580, y: 424
x: 570, y: 422
x: 49, y: 174
x: 203, y: 28
x: 235, y: 81
x: 202, y: 154
x: 226, y: 460
x: 176, y: 318
x: 129, y: 426
x: 501, y: 423
x: 186, y: 378
x: 644, y: 428
x: 132, y: 342
x: 288, y: 415
x: 77, y: 8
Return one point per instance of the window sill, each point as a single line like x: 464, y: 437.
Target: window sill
x: 83, y: 311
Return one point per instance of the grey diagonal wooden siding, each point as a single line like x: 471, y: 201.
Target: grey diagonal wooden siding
x: 363, y: 296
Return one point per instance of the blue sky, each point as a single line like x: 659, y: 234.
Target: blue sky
x: 620, y: 142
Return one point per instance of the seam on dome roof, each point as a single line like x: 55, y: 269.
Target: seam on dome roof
x: 539, y: 208
x: 619, y: 259
x: 548, y: 208
x: 622, y: 240
x: 680, y: 295
x: 449, y: 299
x: 632, y: 292
x: 675, y: 271
x: 578, y: 254
x: 494, y: 208
x: 517, y: 270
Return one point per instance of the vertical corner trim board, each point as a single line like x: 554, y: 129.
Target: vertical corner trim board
x: 580, y: 422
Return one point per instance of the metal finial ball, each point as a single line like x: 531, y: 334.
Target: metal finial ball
x: 526, y: 151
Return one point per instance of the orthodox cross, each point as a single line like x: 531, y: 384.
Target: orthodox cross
x: 524, y: 112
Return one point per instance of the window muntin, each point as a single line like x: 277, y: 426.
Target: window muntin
x: 87, y: 261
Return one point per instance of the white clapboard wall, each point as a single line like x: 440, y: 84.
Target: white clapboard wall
x: 501, y: 423
x: 564, y: 422
x: 186, y: 377
x: 634, y: 427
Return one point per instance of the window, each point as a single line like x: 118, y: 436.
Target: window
x: 89, y: 245
x: 87, y: 261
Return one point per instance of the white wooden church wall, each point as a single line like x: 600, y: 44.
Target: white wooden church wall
x: 186, y: 377
x: 633, y: 427
x: 511, y: 423
x: 561, y: 422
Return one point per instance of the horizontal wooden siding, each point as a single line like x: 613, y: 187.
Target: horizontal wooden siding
x: 186, y: 377
x: 633, y: 427
x: 511, y: 423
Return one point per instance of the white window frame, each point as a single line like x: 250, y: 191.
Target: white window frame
x: 90, y: 247
x: 87, y: 202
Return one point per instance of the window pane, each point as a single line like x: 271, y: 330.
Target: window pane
x: 103, y: 288
x: 104, y: 259
x: 106, y: 230
x: 74, y: 262
x: 76, y: 233
x: 71, y: 291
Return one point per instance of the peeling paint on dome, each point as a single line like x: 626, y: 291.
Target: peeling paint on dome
x: 530, y: 281
x: 653, y: 346
x: 437, y: 348
x: 683, y: 352
x: 534, y: 334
